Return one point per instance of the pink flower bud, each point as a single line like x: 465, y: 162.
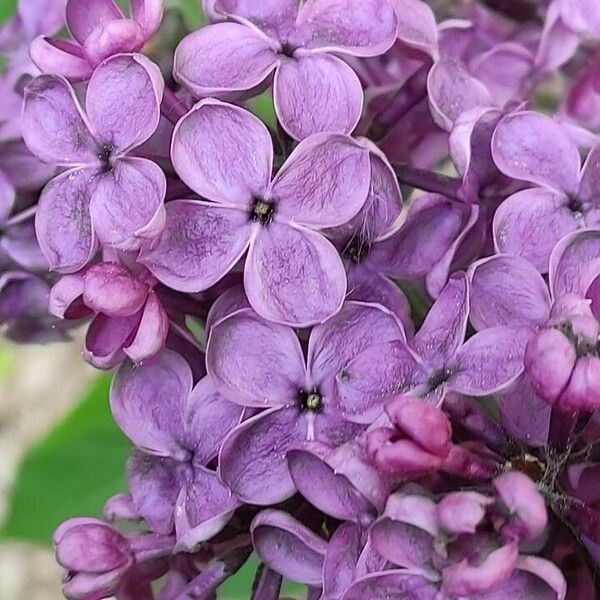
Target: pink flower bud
x: 583, y: 390
x: 461, y: 512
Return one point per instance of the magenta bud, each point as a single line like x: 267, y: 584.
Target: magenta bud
x: 426, y: 425
x: 583, y: 390
x: 461, y: 512
x: 549, y: 361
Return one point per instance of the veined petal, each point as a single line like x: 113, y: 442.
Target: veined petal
x: 199, y: 245
x: 294, y: 276
x: 315, y: 93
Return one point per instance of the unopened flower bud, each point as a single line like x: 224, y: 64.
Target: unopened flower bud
x: 583, y: 390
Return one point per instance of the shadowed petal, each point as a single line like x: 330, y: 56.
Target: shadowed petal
x: 507, y: 290
x: 123, y: 101
x: 223, y: 58
x: 533, y: 147
x: 199, y: 245
x: 54, y: 127
x: 516, y: 225
x: 223, y: 153
x: 254, y: 362
x: 445, y: 326
x: 62, y: 221
x: 316, y: 93
x: 288, y: 547
x: 490, y: 361
x: 294, y: 276
x: 127, y: 203
x: 325, y: 181
x: 366, y: 28
x: 147, y: 402
x: 106, y: 337
x: 392, y: 585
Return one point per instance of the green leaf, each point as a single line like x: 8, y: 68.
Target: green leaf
x: 7, y: 8
x: 72, y: 472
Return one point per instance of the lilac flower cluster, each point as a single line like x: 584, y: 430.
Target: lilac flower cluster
x: 358, y: 343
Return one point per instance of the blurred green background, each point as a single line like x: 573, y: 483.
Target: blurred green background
x: 73, y: 468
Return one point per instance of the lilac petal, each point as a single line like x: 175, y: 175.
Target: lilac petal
x: 342, y: 337
x: 123, y: 101
x: 109, y: 288
x: 593, y: 294
x: 252, y: 458
x: 83, y: 18
x: 462, y: 512
x: 203, y: 508
x: 575, y: 263
x: 366, y: 28
x: 223, y: 58
x: 106, y: 337
x: 445, y: 326
x: 453, y: 91
x: 127, y: 203
x: 507, y: 290
x: 64, y: 293
x: 42, y: 16
x: 490, y: 361
x: 325, y: 182
x: 147, y: 402
x: 7, y: 197
x: 524, y: 415
x: 516, y: 222
x: 327, y: 483
x: 288, y: 547
x: 533, y: 147
x: 54, y: 127
x: 392, y: 585
x: 60, y: 57
x: 199, y: 245
x: 147, y: 14
x: 558, y: 42
x: 223, y: 153
x: 294, y: 276
x: 209, y: 417
x: 112, y: 38
x: 365, y: 285
x: 417, y: 27
x: 589, y: 185
x: 343, y: 551
x: 62, y: 221
x: 85, y: 585
x: 23, y: 170
x: 254, y: 362
x: 152, y: 331
x: 317, y: 93
x: 464, y: 579
x: 375, y: 375
x: 230, y: 301
x: 154, y: 488
x: 582, y: 16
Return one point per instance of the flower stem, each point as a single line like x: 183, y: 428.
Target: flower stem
x: 429, y: 181
x: 172, y: 107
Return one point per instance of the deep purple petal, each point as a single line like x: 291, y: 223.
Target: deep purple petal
x: 392, y: 585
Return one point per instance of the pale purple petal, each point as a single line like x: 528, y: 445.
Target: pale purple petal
x: 547, y: 572
x: 366, y: 28
x: 127, y: 203
x: 23, y: 170
x: 113, y: 37
x: 42, y: 16
x: 393, y: 585
x: 533, y: 147
x: 325, y: 182
x: 490, y: 361
x: 199, y: 245
x: 62, y: 221
x: 417, y: 27
x: 84, y: 17
x: 252, y: 459
x: 445, y: 326
x: 575, y: 263
x: 254, y: 362
x: 288, y: 547
x: 223, y: 58
x: 582, y: 16
x: 123, y: 101
x: 60, y: 57
x: 317, y: 93
x: 294, y: 275
x: 223, y: 153
x: 517, y: 230
x: 203, y: 508
x: 152, y: 331
x: 54, y: 127
x: 147, y: 14
x: 507, y: 290
x: 462, y: 512
x: 147, y: 402
x: 7, y: 197
x: 64, y: 293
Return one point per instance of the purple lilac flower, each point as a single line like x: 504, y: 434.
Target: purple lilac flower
x: 259, y: 364
x: 292, y: 273
x: 100, y: 30
x: 314, y: 90
x: 105, y: 196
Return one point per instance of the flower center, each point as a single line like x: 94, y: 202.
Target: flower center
x: 575, y: 205
x: 531, y: 465
x: 356, y: 250
x: 438, y: 378
x: 104, y: 155
x: 311, y: 401
x: 287, y: 49
x: 262, y: 211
